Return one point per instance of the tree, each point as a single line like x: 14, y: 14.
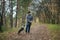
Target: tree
x: 17, y: 10
x: 11, y: 12
x: 3, y: 13
x: 23, y: 8
x: 1, y: 22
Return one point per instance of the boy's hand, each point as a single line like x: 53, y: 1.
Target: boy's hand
x: 30, y: 21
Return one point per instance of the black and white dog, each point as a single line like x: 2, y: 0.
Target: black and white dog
x: 21, y: 29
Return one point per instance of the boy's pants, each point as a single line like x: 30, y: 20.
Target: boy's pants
x: 28, y: 27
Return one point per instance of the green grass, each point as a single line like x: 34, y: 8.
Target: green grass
x: 54, y: 27
x: 6, y: 33
x: 54, y: 31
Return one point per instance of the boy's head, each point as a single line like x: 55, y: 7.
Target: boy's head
x: 28, y: 12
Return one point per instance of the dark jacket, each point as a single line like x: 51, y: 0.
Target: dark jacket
x: 29, y: 18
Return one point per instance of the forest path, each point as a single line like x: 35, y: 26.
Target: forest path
x: 38, y: 32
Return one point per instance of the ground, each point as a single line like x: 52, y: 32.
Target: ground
x: 38, y: 32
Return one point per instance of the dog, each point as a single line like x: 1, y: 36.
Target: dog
x: 21, y: 29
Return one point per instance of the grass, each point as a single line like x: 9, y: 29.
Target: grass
x: 6, y: 33
x: 54, y: 27
x: 54, y: 31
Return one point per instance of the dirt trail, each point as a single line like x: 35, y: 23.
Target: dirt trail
x: 38, y: 32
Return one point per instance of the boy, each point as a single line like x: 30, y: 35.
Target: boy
x: 29, y: 20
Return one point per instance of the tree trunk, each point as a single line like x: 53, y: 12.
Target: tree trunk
x: 3, y: 12
x: 1, y: 22
x: 11, y: 13
x: 2, y: 15
x: 17, y: 11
